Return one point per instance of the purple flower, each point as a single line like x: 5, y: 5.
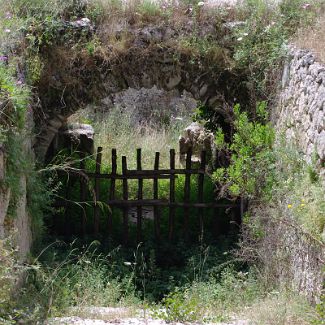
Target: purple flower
x: 3, y: 58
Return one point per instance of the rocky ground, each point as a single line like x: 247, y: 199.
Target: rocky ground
x: 119, y: 316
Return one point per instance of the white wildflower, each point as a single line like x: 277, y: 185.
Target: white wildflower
x: 85, y: 20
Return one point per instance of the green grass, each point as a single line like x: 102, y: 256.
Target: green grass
x: 207, y: 285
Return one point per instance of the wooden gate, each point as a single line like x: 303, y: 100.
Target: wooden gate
x: 125, y: 203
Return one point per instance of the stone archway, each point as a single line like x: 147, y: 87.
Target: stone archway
x: 71, y: 80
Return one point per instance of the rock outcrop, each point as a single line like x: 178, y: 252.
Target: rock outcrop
x: 78, y: 137
x: 150, y: 106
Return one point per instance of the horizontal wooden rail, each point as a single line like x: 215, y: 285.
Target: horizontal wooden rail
x: 140, y: 174
x: 161, y: 203
x: 165, y: 172
x: 127, y: 176
x: 171, y: 204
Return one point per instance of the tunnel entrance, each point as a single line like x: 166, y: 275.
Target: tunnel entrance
x: 76, y: 80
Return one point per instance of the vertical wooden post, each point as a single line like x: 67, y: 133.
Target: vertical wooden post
x: 155, y: 196
x: 242, y: 209
x: 125, y: 197
x: 83, y: 194
x: 112, y: 190
x: 187, y: 191
x: 140, y: 196
x: 200, y: 192
x: 172, y: 195
x: 67, y: 219
x: 97, y: 190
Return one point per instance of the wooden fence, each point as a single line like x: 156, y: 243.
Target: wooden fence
x: 140, y: 174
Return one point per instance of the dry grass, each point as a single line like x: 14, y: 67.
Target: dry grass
x: 280, y: 308
x: 313, y: 38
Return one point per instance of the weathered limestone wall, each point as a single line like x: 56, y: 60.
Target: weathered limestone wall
x: 300, y: 116
x: 22, y: 223
x: 301, y: 111
x: 20, y: 226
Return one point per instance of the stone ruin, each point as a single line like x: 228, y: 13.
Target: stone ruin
x: 196, y: 138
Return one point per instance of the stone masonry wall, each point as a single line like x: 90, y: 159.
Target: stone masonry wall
x: 301, y: 111
x: 300, y: 116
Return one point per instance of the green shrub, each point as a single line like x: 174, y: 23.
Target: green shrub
x: 14, y: 96
x: 251, y: 154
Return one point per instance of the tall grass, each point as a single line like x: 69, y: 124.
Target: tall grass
x: 69, y: 276
x: 118, y: 129
x: 207, y: 286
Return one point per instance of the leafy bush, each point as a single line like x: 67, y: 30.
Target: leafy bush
x: 251, y: 154
x: 14, y: 98
x: 179, y: 307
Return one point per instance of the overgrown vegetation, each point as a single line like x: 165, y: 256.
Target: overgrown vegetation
x: 158, y: 133
x: 208, y: 287
x: 262, y: 41
x: 311, y: 38
x: 32, y: 33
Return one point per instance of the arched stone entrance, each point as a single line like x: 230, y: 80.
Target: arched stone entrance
x: 72, y: 79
